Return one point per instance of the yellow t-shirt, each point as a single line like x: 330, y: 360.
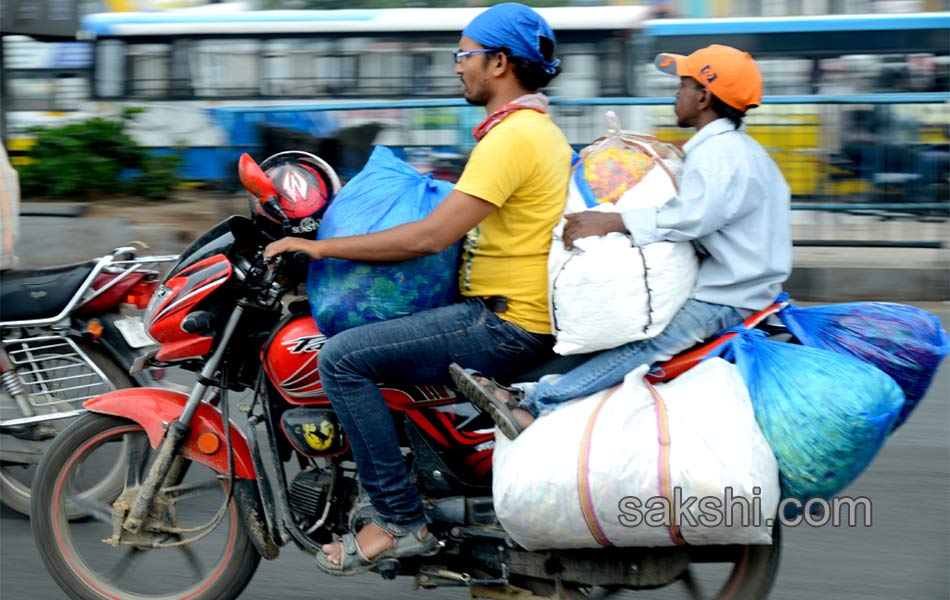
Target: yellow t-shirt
x: 522, y: 166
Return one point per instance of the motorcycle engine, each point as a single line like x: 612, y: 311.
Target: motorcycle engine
x: 309, y: 493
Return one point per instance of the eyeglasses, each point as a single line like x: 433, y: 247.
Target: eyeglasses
x: 460, y: 54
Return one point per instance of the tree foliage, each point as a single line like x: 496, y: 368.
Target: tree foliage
x: 95, y: 157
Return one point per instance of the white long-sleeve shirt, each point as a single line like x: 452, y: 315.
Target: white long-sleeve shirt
x: 733, y: 204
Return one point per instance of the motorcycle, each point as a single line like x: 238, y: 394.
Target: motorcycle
x: 203, y: 502
x: 64, y: 340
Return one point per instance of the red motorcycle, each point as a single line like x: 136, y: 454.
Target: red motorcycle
x: 65, y: 338
x: 203, y: 502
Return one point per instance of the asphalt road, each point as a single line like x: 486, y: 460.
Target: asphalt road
x: 903, y: 555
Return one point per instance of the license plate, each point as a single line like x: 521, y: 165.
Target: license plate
x: 133, y: 330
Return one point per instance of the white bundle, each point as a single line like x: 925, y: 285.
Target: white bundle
x: 605, y: 292
x: 573, y: 478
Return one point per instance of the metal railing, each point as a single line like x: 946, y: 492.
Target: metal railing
x: 863, y: 169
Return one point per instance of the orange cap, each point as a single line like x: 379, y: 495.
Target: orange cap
x: 730, y: 74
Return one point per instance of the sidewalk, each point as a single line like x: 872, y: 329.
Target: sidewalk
x: 823, y: 274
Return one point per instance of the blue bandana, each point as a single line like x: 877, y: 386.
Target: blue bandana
x: 516, y: 27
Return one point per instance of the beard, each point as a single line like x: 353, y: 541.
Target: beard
x: 478, y: 97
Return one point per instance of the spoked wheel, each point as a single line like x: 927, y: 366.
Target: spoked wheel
x: 174, y: 556
x: 68, y: 382
x: 741, y: 573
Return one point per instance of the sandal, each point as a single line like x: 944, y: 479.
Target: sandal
x: 405, y: 543
x: 483, y: 396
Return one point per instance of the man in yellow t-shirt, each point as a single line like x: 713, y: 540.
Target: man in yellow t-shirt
x: 521, y: 167
x: 505, y: 205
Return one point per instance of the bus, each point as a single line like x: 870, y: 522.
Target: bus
x: 213, y: 80
x: 824, y: 79
x: 181, y: 67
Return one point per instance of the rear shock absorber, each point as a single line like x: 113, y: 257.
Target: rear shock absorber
x: 12, y: 384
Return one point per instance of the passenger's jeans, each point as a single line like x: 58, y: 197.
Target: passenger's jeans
x: 417, y: 349
x: 695, y: 322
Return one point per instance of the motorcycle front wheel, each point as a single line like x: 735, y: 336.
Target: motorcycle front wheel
x: 16, y: 478
x: 181, y: 551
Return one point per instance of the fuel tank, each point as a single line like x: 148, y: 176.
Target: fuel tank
x: 290, y: 361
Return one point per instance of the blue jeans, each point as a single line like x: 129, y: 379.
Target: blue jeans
x: 417, y: 349
x: 695, y: 322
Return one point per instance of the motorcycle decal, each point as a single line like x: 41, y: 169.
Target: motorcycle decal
x: 310, y: 343
x: 305, y: 381
x: 428, y: 428
x: 293, y: 184
x: 320, y: 441
x: 313, y: 431
x: 411, y: 397
x: 207, y: 276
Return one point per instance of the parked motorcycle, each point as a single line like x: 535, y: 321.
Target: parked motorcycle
x: 64, y: 340
x: 203, y: 502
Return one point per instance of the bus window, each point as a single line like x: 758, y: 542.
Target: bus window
x: 225, y: 68
x: 785, y: 76
x: 385, y: 68
x: 433, y: 71
x: 579, y: 71
x: 848, y: 74
x: 149, y: 69
x: 611, y: 67
x: 292, y: 67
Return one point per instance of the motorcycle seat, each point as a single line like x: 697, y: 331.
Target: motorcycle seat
x: 39, y: 293
x: 664, y: 371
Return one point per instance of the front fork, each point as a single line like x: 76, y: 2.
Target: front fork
x: 174, y: 442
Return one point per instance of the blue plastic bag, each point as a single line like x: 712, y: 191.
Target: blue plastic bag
x: 386, y: 193
x: 824, y: 414
x: 905, y: 342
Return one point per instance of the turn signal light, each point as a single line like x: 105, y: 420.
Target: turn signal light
x: 209, y: 442
x: 140, y: 293
x: 94, y: 329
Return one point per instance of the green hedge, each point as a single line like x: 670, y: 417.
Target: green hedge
x: 95, y: 157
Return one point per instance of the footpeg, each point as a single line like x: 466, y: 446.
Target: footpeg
x: 388, y: 568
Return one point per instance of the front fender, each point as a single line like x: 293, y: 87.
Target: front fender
x: 155, y: 408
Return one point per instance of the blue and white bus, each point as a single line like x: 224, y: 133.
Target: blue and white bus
x: 182, y: 66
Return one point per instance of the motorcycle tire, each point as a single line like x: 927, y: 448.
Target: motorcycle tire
x: 752, y: 578
x: 14, y: 491
x: 59, y: 548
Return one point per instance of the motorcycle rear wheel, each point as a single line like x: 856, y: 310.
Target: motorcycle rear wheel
x: 76, y: 554
x: 15, y: 479
x: 751, y: 577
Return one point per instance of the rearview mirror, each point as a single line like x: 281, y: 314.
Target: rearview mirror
x: 255, y: 180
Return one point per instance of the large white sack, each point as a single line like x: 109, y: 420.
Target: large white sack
x: 605, y: 292
x: 544, y: 477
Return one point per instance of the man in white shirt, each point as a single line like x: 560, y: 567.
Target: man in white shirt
x: 733, y: 204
